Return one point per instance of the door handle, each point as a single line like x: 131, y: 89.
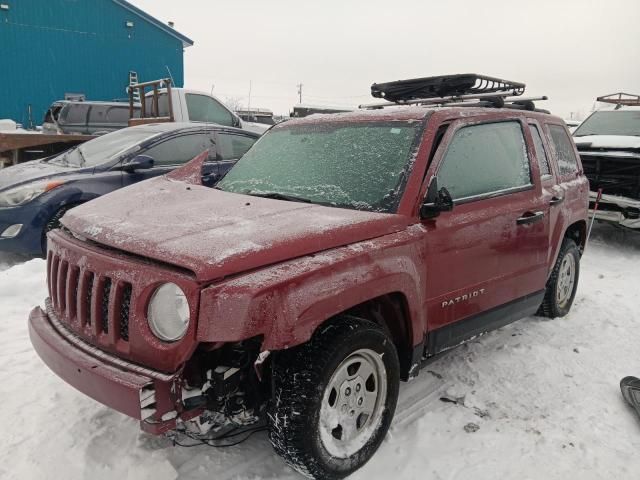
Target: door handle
x: 530, y: 217
x: 556, y: 200
x: 211, y: 176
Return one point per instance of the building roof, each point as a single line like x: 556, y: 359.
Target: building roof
x: 186, y: 41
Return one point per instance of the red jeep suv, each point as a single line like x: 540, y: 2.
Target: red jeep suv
x: 339, y: 252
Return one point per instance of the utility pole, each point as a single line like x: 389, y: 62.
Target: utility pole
x: 300, y: 85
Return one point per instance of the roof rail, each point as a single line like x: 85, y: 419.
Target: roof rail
x: 619, y: 99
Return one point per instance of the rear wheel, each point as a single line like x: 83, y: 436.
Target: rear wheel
x: 334, y: 399
x: 563, y: 282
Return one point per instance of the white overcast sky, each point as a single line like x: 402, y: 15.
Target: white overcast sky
x: 570, y: 50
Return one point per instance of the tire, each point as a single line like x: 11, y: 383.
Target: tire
x: 559, y: 294
x: 328, y: 379
x: 52, y: 224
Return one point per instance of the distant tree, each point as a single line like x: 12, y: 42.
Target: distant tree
x: 234, y: 103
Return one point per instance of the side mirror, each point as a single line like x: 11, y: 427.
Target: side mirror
x: 438, y: 200
x: 140, y: 162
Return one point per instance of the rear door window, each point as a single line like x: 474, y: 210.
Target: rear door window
x: 567, y: 161
x: 233, y: 146
x: 543, y: 161
x: 180, y: 149
x: 484, y: 159
x: 205, y: 109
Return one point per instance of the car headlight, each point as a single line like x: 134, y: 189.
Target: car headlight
x: 168, y: 312
x: 25, y: 193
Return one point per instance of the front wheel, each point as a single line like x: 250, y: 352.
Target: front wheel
x: 52, y: 224
x: 334, y: 398
x: 563, y: 282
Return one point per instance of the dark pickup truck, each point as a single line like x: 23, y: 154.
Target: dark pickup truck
x: 609, y: 145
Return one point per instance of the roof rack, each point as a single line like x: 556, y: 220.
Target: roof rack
x: 621, y: 99
x: 453, y: 90
x: 444, y: 86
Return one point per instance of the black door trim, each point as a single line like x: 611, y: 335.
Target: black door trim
x: 456, y: 333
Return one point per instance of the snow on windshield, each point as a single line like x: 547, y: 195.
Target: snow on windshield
x: 611, y: 123
x: 355, y: 165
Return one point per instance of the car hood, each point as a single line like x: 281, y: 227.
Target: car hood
x: 214, y: 233
x: 30, y: 171
x: 607, y: 141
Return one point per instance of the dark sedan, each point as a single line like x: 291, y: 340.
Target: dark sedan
x: 35, y: 195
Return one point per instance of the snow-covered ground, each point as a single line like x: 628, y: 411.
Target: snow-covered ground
x: 542, y: 396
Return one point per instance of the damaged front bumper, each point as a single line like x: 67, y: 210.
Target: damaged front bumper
x: 621, y: 211
x: 152, y: 397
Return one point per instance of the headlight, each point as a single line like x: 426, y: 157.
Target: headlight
x: 168, y: 313
x: 25, y: 193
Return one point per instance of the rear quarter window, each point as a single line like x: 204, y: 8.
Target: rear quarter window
x: 118, y: 114
x: 567, y: 161
x: 233, y: 146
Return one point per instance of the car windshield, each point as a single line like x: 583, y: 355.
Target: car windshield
x: 102, y: 149
x: 360, y: 166
x: 611, y: 123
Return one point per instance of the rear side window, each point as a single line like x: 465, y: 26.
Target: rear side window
x: 232, y: 147
x: 205, y: 109
x: 485, y: 158
x: 178, y: 150
x: 98, y: 114
x: 74, y: 114
x: 118, y: 114
x: 543, y: 161
x: 567, y: 162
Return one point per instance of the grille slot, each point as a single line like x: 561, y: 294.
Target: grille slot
x: 72, y: 292
x: 53, y: 282
x: 62, y: 285
x: 125, y: 305
x: 90, y: 280
x: 104, y: 305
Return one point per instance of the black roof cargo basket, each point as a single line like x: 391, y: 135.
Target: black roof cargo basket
x: 402, y: 91
x: 454, y: 90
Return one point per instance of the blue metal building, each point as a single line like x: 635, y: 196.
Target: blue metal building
x: 50, y: 48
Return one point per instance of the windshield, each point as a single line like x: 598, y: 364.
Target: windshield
x: 611, y: 123
x: 102, y: 149
x: 357, y: 165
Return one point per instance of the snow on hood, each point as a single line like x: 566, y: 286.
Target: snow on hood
x: 215, y: 233
x: 30, y: 171
x: 607, y: 141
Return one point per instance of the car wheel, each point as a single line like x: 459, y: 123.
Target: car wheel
x: 334, y: 398
x: 52, y: 224
x: 563, y: 282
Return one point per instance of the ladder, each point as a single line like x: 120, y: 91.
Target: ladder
x: 133, y: 80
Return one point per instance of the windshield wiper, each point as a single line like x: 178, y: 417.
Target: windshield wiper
x: 278, y: 196
x: 82, y: 157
